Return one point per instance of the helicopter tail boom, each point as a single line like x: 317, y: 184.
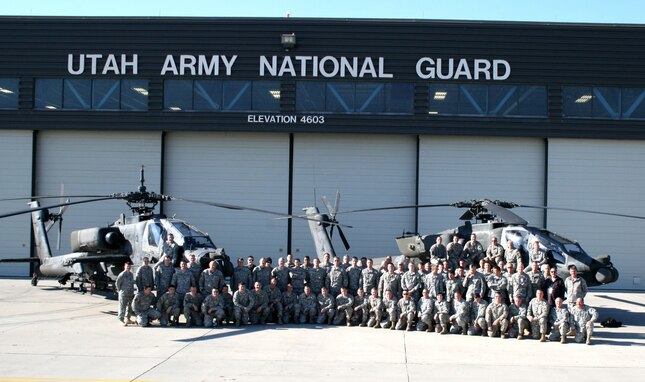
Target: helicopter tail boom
x: 38, y: 220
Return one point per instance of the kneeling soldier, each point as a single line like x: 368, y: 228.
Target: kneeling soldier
x: 143, y: 306
x: 168, y: 306
x: 213, y: 309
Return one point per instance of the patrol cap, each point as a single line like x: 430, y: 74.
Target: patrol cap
x: 172, y: 286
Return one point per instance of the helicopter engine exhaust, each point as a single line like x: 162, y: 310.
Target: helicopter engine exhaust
x: 97, y: 239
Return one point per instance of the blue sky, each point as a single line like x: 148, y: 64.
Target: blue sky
x: 594, y: 11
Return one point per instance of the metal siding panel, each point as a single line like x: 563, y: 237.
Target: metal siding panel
x: 601, y: 175
x: 250, y: 170
x: 369, y: 171
x: 455, y: 169
x: 15, y: 175
x: 93, y: 162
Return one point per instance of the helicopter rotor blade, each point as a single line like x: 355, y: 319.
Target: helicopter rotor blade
x: 395, y: 208
x: 331, y: 231
x: 584, y: 211
x: 30, y: 210
x: 50, y: 197
x: 328, y: 206
x: 503, y: 213
x: 60, y: 228
x: 343, y: 238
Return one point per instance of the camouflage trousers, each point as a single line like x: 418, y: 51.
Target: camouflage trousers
x: 478, y: 326
x: 583, y: 330
x: 499, y: 329
x: 518, y: 326
x: 308, y: 315
x: 425, y: 322
x: 125, y: 306
x: 405, y: 319
x: 343, y: 315
x: 291, y: 313
x: 375, y: 317
x: 193, y: 317
x: 275, y: 311
x: 165, y: 316
x: 144, y: 318
x: 213, y: 318
x: 538, y: 327
x: 558, y: 330
x: 391, y: 317
x: 326, y: 315
x: 259, y: 317
x: 241, y: 317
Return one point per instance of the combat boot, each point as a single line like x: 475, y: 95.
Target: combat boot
x: 392, y: 326
x: 543, y: 338
x: 588, y: 339
x: 444, y: 330
x: 279, y: 320
x: 563, y: 339
x: 362, y: 324
x: 430, y: 328
x: 520, y: 336
x: 409, y: 329
x: 464, y: 330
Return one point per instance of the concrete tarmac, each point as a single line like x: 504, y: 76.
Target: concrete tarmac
x: 53, y: 334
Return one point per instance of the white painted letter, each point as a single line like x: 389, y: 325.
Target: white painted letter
x: 271, y: 67
x: 169, y: 65
x: 334, y: 63
x: 463, y: 70
x: 428, y: 71
x: 229, y: 64
x: 204, y: 67
x: 448, y: 76
x: 507, y: 68
x: 483, y: 67
x: 134, y: 64
x: 186, y: 61
x: 287, y: 66
x: 381, y: 69
x: 110, y: 65
x: 93, y: 58
x: 70, y: 64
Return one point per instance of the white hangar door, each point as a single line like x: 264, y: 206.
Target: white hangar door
x: 368, y: 171
x: 94, y: 163
x: 15, y: 175
x: 244, y: 169
x: 453, y: 169
x: 601, y: 175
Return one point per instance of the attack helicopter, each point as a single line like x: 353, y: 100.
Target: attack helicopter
x: 99, y: 253
x: 494, y: 219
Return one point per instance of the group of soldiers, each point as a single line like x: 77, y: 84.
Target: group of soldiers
x: 474, y: 297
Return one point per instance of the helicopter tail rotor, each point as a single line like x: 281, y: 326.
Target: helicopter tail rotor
x: 333, y: 210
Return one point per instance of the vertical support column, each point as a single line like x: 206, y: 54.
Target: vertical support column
x: 546, y: 180
x: 290, y: 195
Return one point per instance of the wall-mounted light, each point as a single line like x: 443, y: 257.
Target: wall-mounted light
x: 288, y: 40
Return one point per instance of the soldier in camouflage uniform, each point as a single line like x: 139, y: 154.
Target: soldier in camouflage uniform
x: 308, y: 306
x: 171, y: 250
x: 407, y: 310
x: 281, y: 274
x: 260, y: 310
x: 452, y: 285
x: 537, y: 278
x: 163, y: 275
x: 262, y: 273
x: 316, y: 277
x: 538, y: 316
x: 211, y: 278
x: 326, y: 263
x: 183, y: 280
x: 145, y: 276
x: 497, y: 284
x: 196, y: 269
x: 290, y: 305
x: 497, y: 317
x: 168, y: 306
x: 411, y: 280
x: 275, y: 301
x: 193, y: 306
x: 536, y: 254
x: 576, y: 286
x: 326, y: 307
x: 434, y: 281
x: 360, y: 308
x: 512, y: 255
x: 370, y: 277
x: 425, y: 308
x: 143, y: 306
x: 473, y: 283
x: 243, y: 303
x: 455, y: 251
x: 478, y: 316
x: 391, y: 309
x: 125, y: 287
x: 583, y: 318
x: 213, y: 309
x: 336, y: 278
x: 494, y: 252
x: 460, y: 315
x: 521, y: 284
x: 473, y: 250
x: 354, y: 272
x: 559, y: 321
x: 375, y: 304
x: 227, y: 302
x: 438, y: 251
x: 518, y: 321
x: 441, y: 314
x: 298, y: 276
x: 344, y: 307
x: 390, y: 281
x: 242, y: 274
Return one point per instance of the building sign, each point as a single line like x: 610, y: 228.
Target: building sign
x: 427, y: 68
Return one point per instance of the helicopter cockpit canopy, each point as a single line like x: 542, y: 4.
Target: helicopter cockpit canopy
x: 185, y: 235
x: 557, y: 244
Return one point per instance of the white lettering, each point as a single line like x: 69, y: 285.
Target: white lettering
x: 134, y: 64
x: 93, y: 58
x: 271, y: 67
x: 287, y: 66
x: 483, y: 67
x: 187, y: 61
x: 303, y: 64
x: 463, y: 70
x: 169, y: 66
x: 381, y: 68
x: 228, y: 64
x: 70, y: 64
x: 425, y: 72
x: 450, y: 69
x: 110, y: 65
x: 367, y: 68
x: 334, y: 64
x: 351, y: 68
x: 507, y: 69
x: 204, y: 67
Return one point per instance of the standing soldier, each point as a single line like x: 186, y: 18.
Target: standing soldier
x: 576, y: 286
x: 390, y: 281
x: 260, y: 310
x: 473, y: 250
x: 183, y: 280
x: 336, y: 278
x: 538, y: 315
x: 326, y: 263
x: 390, y: 306
x: 537, y: 278
x: 125, y: 287
x: 196, y: 270
x: 227, y: 302
x: 438, y: 251
x: 308, y: 306
x: 211, y: 278
x: 452, y: 286
x: 168, y: 306
x: 536, y: 254
x: 298, y: 276
x: 290, y: 305
x: 473, y: 283
x: 434, y: 282
x: 242, y: 274
x: 559, y: 320
x: 518, y: 321
x: 582, y: 320
x: 521, y: 284
x: 497, y: 317
x: 316, y: 277
x: 497, y: 284
x: 306, y: 263
x: 411, y: 280
x: 494, y: 252
x: 326, y: 305
x: 407, y: 309
x: 171, y: 250
x: 369, y: 277
x: 213, y: 309
x: 375, y: 304
x: 360, y: 308
x: 262, y: 273
x: 354, y: 276
x: 143, y: 306
x: 193, y: 306
x: 275, y: 301
x: 512, y: 255
x: 460, y: 315
x: 425, y: 309
x: 455, y: 251
x: 163, y: 275
x: 344, y: 307
x: 145, y: 275
x: 243, y: 302
x: 478, y: 316
x: 281, y: 274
